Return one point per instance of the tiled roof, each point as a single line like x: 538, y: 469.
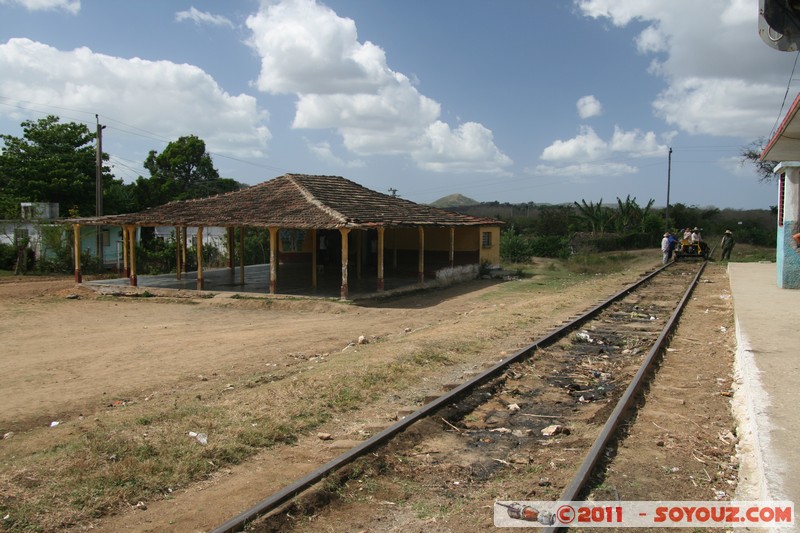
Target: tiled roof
x: 296, y: 201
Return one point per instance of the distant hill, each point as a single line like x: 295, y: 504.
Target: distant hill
x: 454, y: 200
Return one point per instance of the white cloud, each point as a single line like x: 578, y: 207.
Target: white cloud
x: 156, y: 96
x: 636, y: 143
x: 589, y: 106
x: 202, y: 17
x: 721, y: 80
x: 586, y: 146
x: 586, y: 169
x: 588, y: 154
x: 325, y: 153
x: 470, y: 148
x: 307, y: 50
x: 70, y: 6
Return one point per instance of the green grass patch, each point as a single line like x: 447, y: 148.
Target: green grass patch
x: 748, y: 253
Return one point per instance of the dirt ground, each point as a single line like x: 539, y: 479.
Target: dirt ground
x: 69, y: 354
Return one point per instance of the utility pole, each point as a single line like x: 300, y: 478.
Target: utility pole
x: 99, y: 169
x: 669, y: 172
x: 98, y: 184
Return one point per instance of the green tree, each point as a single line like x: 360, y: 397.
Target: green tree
x: 184, y: 170
x: 53, y: 162
x: 594, y: 216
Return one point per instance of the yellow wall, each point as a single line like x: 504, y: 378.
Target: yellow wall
x: 492, y: 253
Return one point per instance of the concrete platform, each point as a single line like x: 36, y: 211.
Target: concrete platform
x: 291, y: 282
x: 767, y: 400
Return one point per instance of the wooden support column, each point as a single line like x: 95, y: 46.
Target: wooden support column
x: 314, y: 259
x: 421, y: 267
x: 178, y: 253
x: 344, y: 291
x: 452, y: 246
x: 241, y: 255
x: 273, y: 259
x: 381, y: 231
x: 231, y: 261
x: 76, y: 235
x: 184, y: 241
x: 132, y: 255
x: 126, y: 271
x: 199, y: 248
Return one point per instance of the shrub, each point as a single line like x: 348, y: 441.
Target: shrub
x: 8, y: 254
x: 514, y: 248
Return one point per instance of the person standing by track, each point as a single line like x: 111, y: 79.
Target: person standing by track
x: 665, y: 249
x: 726, y: 245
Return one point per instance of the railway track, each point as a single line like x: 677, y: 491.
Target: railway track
x: 559, y: 401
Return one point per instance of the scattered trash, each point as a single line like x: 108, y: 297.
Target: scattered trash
x: 202, y: 438
x: 72, y: 296
x: 513, y: 407
x: 141, y: 506
x: 363, y: 340
x: 583, y: 336
x: 54, y: 423
x: 324, y: 436
x: 555, y: 429
x: 500, y: 430
x: 728, y: 438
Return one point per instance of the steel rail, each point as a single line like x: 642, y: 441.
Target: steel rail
x: 290, y: 491
x: 573, y: 491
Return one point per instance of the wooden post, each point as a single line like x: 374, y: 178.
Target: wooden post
x: 178, y: 253
x: 344, y: 291
x: 231, y: 261
x: 273, y: 259
x: 132, y: 255
x: 452, y: 246
x: 76, y: 234
x: 381, y: 231
x: 126, y: 271
x: 241, y: 255
x: 199, y: 249
x: 184, y: 240
x: 314, y: 259
x: 421, y: 267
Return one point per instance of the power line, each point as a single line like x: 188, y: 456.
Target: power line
x: 785, y: 96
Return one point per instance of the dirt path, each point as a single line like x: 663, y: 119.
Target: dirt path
x: 68, y: 358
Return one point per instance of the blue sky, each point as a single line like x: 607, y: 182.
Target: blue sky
x: 514, y: 101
